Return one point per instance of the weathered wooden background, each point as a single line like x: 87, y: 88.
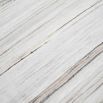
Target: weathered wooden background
x: 51, y: 51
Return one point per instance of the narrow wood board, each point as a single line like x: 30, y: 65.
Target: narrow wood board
x: 41, y: 41
x: 28, y: 33
x: 85, y: 87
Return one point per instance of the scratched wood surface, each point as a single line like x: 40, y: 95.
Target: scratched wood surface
x: 51, y: 51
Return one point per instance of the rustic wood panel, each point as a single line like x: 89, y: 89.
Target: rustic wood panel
x: 51, y: 51
x: 85, y: 87
x: 29, y: 31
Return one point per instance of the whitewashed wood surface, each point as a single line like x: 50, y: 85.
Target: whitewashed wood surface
x: 51, y: 51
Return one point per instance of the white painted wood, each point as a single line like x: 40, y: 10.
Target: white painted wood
x: 40, y: 40
x: 85, y: 87
x: 28, y: 78
x: 21, y: 38
x: 68, y: 75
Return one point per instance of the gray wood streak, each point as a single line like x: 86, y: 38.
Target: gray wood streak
x: 17, y: 40
x: 48, y: 47
x: 85, y: 87
x: 68, y: 74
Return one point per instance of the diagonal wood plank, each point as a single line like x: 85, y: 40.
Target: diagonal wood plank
x: 35, y: 73
x: 23, y: 40
x: 85, y: 87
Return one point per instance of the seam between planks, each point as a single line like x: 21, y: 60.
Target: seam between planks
x: 68, y: 75
x: 50, y: 36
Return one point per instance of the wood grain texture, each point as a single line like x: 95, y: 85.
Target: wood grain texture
x: 51, y: 51
x: 68, y: 75
x: 14, y: 47
x: 85, y: 87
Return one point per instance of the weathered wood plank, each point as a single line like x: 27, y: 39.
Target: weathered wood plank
x: 35, y: 73
x: 24, y: 38
x: 85, y: 87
